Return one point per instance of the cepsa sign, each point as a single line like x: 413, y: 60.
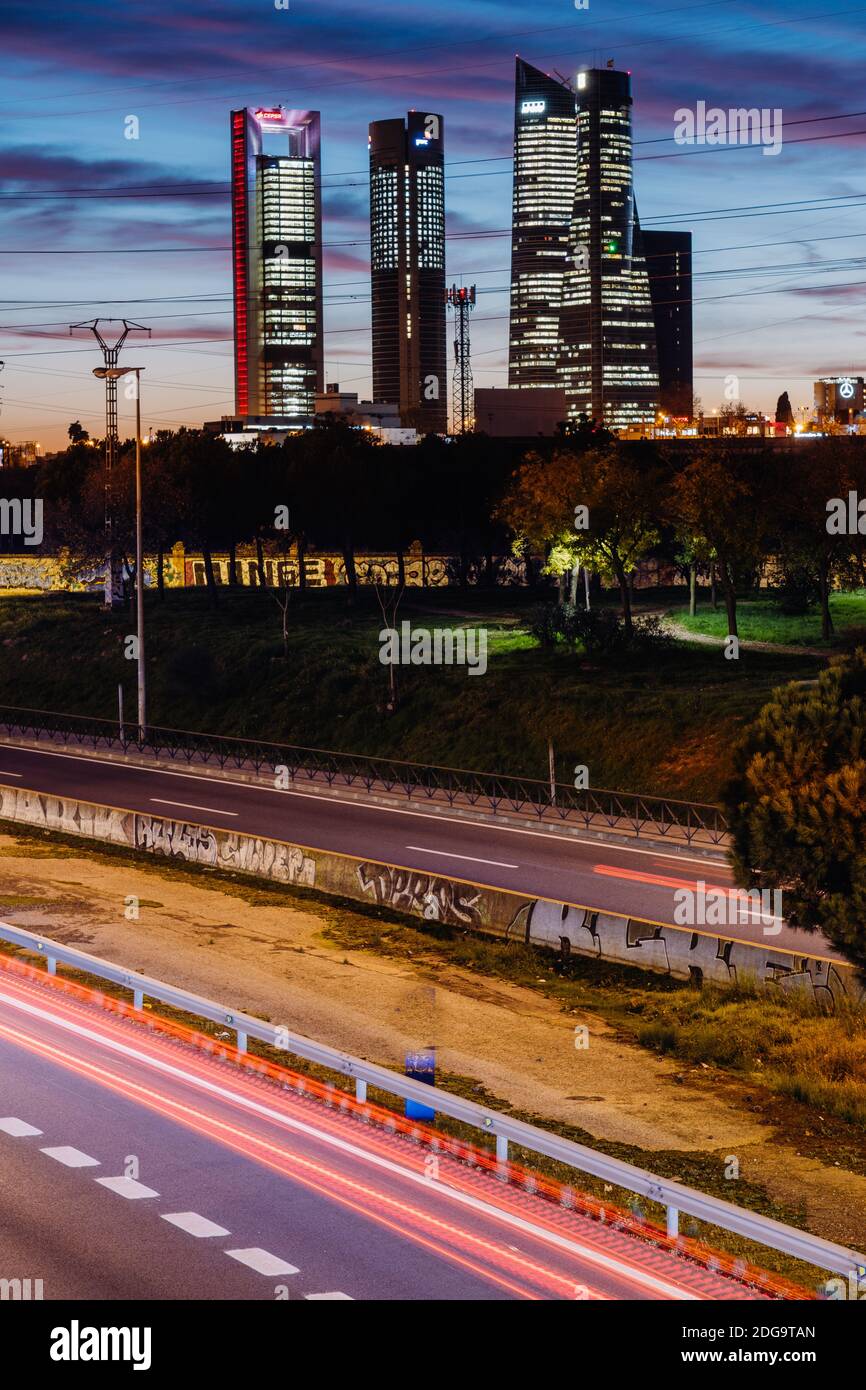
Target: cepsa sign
x: 270, y: 117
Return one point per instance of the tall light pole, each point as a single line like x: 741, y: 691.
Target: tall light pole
x: 115, y: 373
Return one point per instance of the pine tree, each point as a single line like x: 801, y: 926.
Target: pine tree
x: 797, y: 805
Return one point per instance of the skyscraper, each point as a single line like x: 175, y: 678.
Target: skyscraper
x: 608, y: 365
x: 545, y: 164
x: 407, y: 237
x: 277, y: 262
x: 669, y: 267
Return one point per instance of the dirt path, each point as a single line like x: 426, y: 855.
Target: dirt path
x: 270, y: 957
x: 682, y: 634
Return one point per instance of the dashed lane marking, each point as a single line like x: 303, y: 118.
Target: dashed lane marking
x: 443, y: 854
x: 72, y: 1158
x: 262, y: 1261
x: 127, y: 1187
x: 193, y: 1224
x: 17, y: 1128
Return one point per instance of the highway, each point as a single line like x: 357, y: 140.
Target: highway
x: 636, y: 880
x: 134, y: 1166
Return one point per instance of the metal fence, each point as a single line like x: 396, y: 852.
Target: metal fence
x: 590, y: 808
x: 674, y: 1196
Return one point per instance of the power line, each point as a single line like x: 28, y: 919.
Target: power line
x: 471, y: 66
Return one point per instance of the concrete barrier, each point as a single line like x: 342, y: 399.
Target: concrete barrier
x: 682, y: 952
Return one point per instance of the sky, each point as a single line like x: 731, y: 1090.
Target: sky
x: 95, y: 224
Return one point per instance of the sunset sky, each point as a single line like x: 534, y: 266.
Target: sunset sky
x: 86, y: 215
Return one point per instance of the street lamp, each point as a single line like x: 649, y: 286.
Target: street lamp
x: 115, y: 373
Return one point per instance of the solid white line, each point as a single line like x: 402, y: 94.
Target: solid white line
x: 443, y: 854
x: 4, y: 773
x: 262, y: 1261
x: 193, y: 1224
x: 366, y: 806
x: 328, y: 1297
x: 608, y: 1262
x: 187, y: 806
x: 127, y: 1187
x: 72, y: 1158
x: 17, y: 1128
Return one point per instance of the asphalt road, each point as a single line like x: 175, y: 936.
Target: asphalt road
x: 634, y: 880
x: 133, y: 1166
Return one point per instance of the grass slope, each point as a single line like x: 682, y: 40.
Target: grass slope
x: 663, y: 725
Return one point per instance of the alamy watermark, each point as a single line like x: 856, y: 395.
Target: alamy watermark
x: 441, y: 646
x: 736, y: 126
x: 846, y: 516
x: 22, y: 517
x: 726, y: 907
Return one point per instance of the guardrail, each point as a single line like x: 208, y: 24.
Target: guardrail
x: 673, y: 1196
x: 591, y: 808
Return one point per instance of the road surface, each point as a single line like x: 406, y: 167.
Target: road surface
x: 633, y: 880
x: 134, y: 1166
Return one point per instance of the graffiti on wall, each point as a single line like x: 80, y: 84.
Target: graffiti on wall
x: 218, y: 849
x: 67, y: 816
x: 434, y: 899
x: 696, y: 956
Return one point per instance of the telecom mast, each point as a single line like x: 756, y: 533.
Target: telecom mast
x: 462, y: 301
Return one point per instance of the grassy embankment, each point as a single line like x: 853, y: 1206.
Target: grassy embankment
x: 661, y: 725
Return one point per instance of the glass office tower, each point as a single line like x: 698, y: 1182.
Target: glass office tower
x: 545, y: 164
x: 407, y: 246
x: 609, y: 363
x: 277, y: 263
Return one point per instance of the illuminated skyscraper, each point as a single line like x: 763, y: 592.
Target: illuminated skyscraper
x: 277, y: 262
x: 609, y: 364
x: 407, y: 236
x: 545, y: 164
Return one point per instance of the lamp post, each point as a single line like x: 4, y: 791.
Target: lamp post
x: 115, y: 373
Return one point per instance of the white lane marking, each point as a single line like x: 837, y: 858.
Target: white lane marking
x: 4, y: 773
x: 188, y: 806
x: 72, y: 1158
x: 127, y: 1187
x: 17, y: 1128
x: 443, y: 854
x: 328, y: 1297
x: 193, y: 1224
x: 466, y: 1199
x: 262, y: 1261
x: 368, y: 806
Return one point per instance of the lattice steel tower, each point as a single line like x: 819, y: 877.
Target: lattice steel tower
x: 110, y: 355
x: 462, y: 301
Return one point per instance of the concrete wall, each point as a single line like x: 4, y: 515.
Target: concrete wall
x: 677, y: 951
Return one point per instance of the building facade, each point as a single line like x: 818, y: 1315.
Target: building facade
x: 277, y: 262
x: 545, y: 166
x: 669, y: 267
x: 608, y: 364
x: 839, y: 399
x: 407, y: 256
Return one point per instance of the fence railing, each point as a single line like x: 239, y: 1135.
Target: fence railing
x: 674, y: 1196
x: 590, y: 808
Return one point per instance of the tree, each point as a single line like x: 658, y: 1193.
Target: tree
x: 797, y: 805
x: 598, y: 509
x: 818, y: 473
x: 724, y: 501
x: 77, y: 433
x: 784, y: 413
